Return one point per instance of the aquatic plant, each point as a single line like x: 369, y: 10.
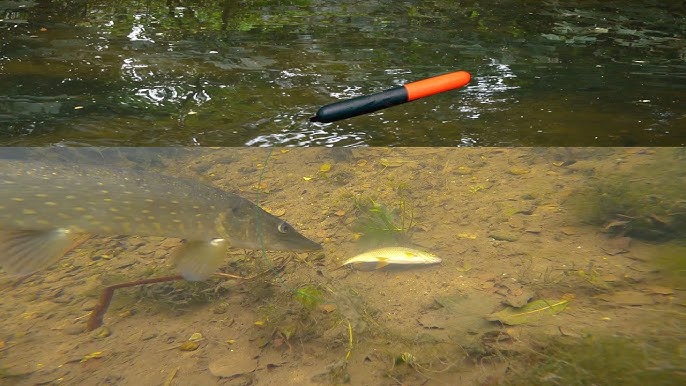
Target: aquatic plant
x: 642, y: 204
x: 185, y: 293
x: 376, y: 221
x: 309, y: 295
x: 670, y: 258
x: 603, y: 360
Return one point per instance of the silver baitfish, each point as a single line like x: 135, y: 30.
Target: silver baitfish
x: 390, y: 256
x: 48, y: 208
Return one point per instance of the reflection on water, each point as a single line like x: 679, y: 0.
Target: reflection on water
x: 235, y: 73
x: 564, y: 264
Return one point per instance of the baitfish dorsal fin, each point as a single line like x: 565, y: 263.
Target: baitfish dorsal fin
x: 26, y: 251
x: 198, y: 260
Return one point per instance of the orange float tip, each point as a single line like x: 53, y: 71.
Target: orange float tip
x: 437, y: 84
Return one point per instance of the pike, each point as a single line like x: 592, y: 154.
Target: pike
x: 382, y: 257
x: 46, y: 209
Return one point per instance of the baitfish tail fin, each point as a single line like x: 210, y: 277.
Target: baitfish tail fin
x: 198, y: 260
x: 26, y: 251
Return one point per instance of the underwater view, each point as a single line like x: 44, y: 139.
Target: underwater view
x: 362, y: 266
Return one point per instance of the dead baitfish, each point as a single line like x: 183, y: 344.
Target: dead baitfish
x: 48, y: 208
x: 382, y: 257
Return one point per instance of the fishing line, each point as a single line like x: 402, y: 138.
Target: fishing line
x: 296, y: 293
x: 258, y: 223
x: 260, y: 237
x: 257, y: 206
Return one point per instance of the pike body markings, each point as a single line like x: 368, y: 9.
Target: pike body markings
x: 46, y: 208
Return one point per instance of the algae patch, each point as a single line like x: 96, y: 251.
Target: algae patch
x: 604, y: 360
x: 642, y: 203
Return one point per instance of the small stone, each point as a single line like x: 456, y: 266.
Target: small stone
x: 501, y: 235
x: 148, y: 336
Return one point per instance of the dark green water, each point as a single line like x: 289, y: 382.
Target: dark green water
x: 233, y: 73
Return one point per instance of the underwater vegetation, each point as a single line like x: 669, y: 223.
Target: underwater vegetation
x: 670, y: 258
x: 380, y: 223
x: 301, y: 313
x: 644, y: 204
x: 185, y: 293
x: 605, y: 360
x: 309, y: 295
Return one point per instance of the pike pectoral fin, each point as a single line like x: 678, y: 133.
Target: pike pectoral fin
x: 25, y: 251
x: 198, y: 260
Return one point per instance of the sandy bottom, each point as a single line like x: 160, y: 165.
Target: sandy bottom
x: 497, y: 218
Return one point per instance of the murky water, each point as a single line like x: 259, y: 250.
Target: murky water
x: 252, y: 73
x: 557, y: 264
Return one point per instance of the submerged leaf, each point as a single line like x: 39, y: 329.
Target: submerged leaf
x: 393, y: 163
x: 189, y: 346
x: 93, y: 355
x: 528, y: 313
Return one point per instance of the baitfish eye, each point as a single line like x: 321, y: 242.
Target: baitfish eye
x: 284, y: 227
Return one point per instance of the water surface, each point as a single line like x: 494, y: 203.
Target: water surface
x: 233, y: 73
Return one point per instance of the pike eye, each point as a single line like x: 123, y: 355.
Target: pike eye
x: 284, y: 227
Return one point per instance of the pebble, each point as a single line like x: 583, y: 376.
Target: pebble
x: 503, y: 236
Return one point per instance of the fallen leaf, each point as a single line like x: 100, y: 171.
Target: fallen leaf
x: 463, y: 170
x: 433, y: 321
x: 328, y: 307
x: 628, y: 298
x: 616, y: 246
x: 325, y: 167
x: 196, y: 337
x: 231, y: 366
x: 466, y: 267
x: 93, y: 355
x: 529, y: 313
x: 189, y: 346
x: 615, y: 224
x: 659, y: 290
x: 392, y: 163
x: 516, y: 171
x: 278, y: 212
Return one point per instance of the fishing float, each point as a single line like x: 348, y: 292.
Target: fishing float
x: 366, y: 104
